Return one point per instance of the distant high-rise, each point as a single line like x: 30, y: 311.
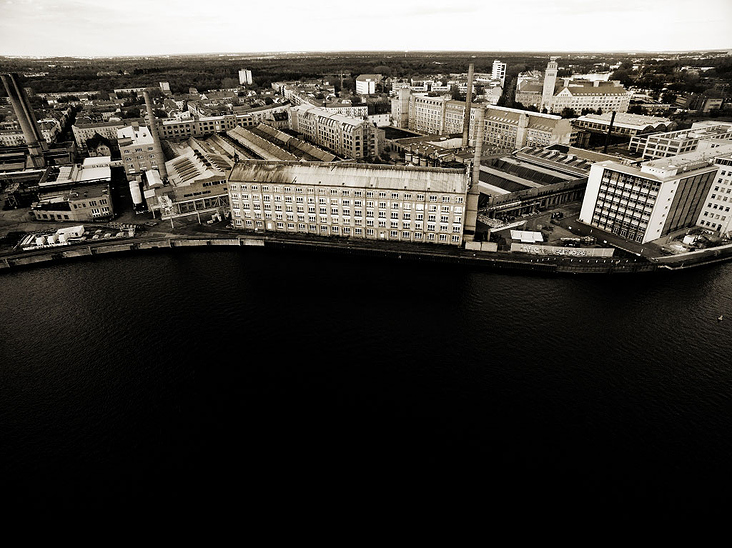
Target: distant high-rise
x: 550, y: 80
x: 27, y: 120
x: 499, y: 71
x: 245, y: 77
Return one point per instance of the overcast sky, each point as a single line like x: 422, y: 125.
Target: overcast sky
x: 154, y: 27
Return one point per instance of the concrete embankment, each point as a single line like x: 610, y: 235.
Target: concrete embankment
x: 494, y: 260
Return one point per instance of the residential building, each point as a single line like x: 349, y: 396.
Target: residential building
x: 499, y: 72
x: 245, y: 77
x: 652, y: 200
x: 366, y: 83
x: 373, y: 202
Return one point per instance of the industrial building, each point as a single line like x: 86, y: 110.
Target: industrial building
x: 672, y: 143
x: 345, y: 136
x: 533, y: 179
x: 505, y: 129
x: 375, y: 202
x: 90, y: 202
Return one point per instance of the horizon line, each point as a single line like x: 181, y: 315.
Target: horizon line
x: 301, y: 52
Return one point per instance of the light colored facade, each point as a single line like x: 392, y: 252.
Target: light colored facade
x: 499, y: 71
x: 550, y: 80
x: 716, y: 213
x: 137, y: 150
x: 366, y: 83
x: 505, y: 129
x: 49, y: 131
x: 673, y: 143
x: 79, y: 204
x: 348, y: 137
x: 647, y: 202
x: 245, y: 77
x: 624, y: 124
x: 109, y: 130
x: 579, y: 95
x: 374, y: 202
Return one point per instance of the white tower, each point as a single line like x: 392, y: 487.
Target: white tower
x: 550, y: 80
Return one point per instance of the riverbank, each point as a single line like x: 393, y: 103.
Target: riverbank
x: 389, y: 250
x: 192, y: 235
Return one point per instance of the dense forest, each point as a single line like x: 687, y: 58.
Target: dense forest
x: 221, y: 71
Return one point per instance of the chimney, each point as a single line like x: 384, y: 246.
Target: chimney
x: 471, y: 206
x: 468, y: 105
x: 153, y: 127
x: 27, y: 120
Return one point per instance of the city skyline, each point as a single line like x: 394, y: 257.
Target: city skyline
x: 85, y: 28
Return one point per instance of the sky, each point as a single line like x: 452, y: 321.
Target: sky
x: 160, y: 27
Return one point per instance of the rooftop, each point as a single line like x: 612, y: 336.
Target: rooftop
x: 351, y: 175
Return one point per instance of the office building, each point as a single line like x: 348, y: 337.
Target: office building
x: 715, y: 214
x: 647, y: 202
x: 374, y: 202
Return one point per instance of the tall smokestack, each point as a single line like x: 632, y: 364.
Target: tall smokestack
x: 471, y: 209
x: 27, y: 120
x: 468, y: 105
x: 153, y: 127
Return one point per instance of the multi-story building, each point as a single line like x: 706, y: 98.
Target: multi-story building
x: 647, y: 202
x: 183, y: 128
x: 499, y: 71
x: 366, y: 83
x: 715, y: 214
x: 375, y: 202
x: 581, y: 94
x: 673, y: 143
x: 50, y: 130
x: 85, y: 130
x: 623, y: 124
x: 136, y: 146
x: 245, y: 77
x: 78, y: 204
x: 345, y: 136
x: 505, y: 129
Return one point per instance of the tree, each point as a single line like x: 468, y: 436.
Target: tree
x: 568, y: 113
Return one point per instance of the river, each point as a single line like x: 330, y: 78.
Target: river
x: 175, y: 377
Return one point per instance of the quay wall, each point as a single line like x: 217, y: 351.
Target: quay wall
x: 482, y: 258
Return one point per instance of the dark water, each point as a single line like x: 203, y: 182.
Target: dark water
x: 199, y: 378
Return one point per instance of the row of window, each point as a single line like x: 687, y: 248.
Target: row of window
x: 346, y: 231
x: 420, y: 197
